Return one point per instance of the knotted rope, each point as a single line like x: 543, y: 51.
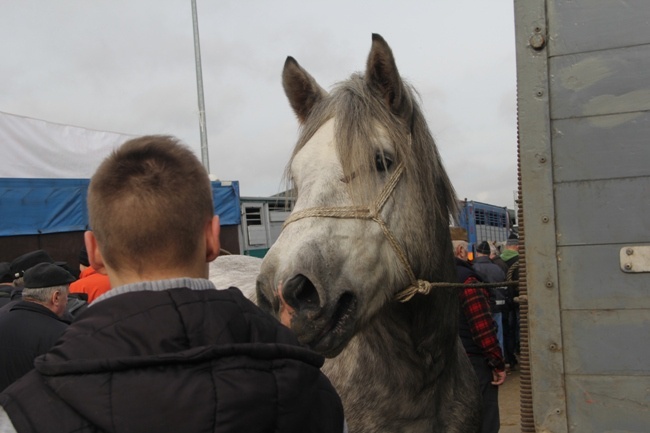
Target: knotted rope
x: 425, y: 287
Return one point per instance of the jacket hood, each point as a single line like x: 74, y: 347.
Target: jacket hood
x: 508, y: 254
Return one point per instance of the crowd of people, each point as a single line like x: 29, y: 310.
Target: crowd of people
x: 39, y: 298
x: 86, y: 286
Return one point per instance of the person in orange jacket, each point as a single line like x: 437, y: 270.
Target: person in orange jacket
x: 90, y: 282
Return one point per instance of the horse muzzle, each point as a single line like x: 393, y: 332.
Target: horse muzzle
x: 326, y: 327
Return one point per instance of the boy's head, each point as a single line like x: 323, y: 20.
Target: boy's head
x: 150, y: 204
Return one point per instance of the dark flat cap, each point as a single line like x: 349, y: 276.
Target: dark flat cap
x: 483, y: 248
x: 26, y: 261
x: 46, y: 275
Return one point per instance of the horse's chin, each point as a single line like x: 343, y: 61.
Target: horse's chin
x: 330, y: 344
x: 328, y: 336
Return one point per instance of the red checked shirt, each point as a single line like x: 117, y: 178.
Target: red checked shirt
x: 474, y: 303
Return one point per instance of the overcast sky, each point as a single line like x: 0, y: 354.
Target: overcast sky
x: 128, y: 66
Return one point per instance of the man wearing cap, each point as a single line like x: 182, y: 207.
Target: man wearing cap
x: 32, y: 326
x: 492, y: 273
x: 478, y: 335
x: 510, y: 254
x: 511, y: 317
x: 17, y: 269
x: 21, y: 263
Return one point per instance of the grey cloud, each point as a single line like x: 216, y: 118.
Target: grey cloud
x: 128, y: 67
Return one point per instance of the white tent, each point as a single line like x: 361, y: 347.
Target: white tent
x: 33, y: 148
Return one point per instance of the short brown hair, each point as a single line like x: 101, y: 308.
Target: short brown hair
x: 148, y: 204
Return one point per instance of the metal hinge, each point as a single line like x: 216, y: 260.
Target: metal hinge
x: 635, y: 259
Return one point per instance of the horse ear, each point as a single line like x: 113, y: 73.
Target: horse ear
x: 301, y: 88
x: 382, y: 75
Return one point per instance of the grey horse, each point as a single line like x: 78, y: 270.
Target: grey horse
x: 351, y: 272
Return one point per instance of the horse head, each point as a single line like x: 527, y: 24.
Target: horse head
x: 372, y: 206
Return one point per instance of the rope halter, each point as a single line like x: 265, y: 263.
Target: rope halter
x: 372, y: 212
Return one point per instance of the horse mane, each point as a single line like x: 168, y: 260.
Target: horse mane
x: 358, y: 110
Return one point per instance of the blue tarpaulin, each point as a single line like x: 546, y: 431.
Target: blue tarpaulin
x: 226, y: 202
x: 35, y: 206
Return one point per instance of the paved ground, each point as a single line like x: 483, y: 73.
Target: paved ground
x: 509, y: 404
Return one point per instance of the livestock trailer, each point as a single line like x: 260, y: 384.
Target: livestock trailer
x: 262, y: 219
x: 583, y: 94
x: 483, y: 222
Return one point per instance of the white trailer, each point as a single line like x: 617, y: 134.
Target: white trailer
x: 262, y: 219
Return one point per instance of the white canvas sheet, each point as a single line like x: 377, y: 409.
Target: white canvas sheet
x: 32, y: 148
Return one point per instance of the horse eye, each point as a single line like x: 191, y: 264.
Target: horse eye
x: 383, y: 162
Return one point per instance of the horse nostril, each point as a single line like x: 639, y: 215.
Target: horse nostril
x: 300, y: 293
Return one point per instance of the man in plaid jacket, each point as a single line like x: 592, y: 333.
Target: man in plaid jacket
x: 478, y: 333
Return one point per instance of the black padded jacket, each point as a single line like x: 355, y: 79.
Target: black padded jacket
x: 175, y: 361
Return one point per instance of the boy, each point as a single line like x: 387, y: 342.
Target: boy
x: 162, y: 350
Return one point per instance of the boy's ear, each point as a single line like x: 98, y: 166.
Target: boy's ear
x: 94, y: 255
x: 212, y: 243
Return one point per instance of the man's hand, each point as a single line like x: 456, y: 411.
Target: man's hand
x: 498, y: 377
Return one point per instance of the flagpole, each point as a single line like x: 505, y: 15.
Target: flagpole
x: 199, y: 87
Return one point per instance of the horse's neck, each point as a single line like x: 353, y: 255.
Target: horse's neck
x: 382, y: 373
x: 386, y: 354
